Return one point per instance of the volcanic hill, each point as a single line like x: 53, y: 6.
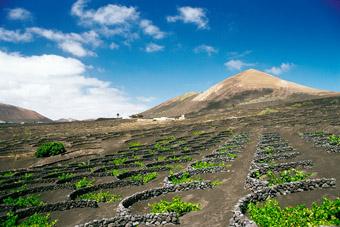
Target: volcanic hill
x: 248, y: 87
x: 9, y: 113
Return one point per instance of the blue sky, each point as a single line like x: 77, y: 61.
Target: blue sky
x: 126, y: 56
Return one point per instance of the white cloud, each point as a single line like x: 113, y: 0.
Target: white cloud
x: 14, y: 36
x: 110, y: 14
x: 114, y: 46
x: 70, y: 42
x: 150, y: 29
x: 19, y: 14
x: 56, y: 87
x: 116, y: 20
x: 75, y: 48
x: 193, y: 15
x: 237, y: 64
x: 205, y: 49
x: 278, y: 70
x: 152, y: 47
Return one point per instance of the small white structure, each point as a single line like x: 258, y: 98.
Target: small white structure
x: 182, y: 117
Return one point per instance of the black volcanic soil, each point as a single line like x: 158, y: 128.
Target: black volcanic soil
x: 87, y: 141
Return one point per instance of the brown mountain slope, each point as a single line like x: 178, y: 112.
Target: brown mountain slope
x: 9, y: 113
x: 250, y: 86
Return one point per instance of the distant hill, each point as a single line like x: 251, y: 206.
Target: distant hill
x: 248, y: 87
x: 9, y: 113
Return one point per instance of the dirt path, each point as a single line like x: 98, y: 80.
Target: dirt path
x: 219, y: 202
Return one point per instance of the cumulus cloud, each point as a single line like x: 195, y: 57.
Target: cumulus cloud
x: 192, y: 15
x: 237, y: 64
x: 114, y: 19
x: 205, y: 49
x: 19, y: 14
x: 56, y: 87
x: 150, y: 29
x: 152, y: 47
x: 278, y: 70
x: 110, y: 14
x: 114, y: 46
x: 14, y: 36
x: 70, y: 42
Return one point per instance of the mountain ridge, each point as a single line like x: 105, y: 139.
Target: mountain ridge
x: 249, y: 86
x: 11, y: 113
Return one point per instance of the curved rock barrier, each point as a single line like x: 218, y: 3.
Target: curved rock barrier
x: 254, y: 183
x: 123, y: 207
x: 239, y: 213
x: 320, y: 139
x: 134, y: 220
x: 66, y: 205
x: 75, y: 194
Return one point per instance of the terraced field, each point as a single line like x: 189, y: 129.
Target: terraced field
x: 112, y: 175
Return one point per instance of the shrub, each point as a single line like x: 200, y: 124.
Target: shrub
x: 117, y: 172
x: 176, y: 205
x: 216, y: 183
x: 232, y: 155
x: 184, y: 178
x: 285, y: 176
x: 50, y: 149
x: 269, y: 150
x: 28, y: 201
x: 197, y: 132
x: 8, y: 174
x: 267, y: 111
x: 139, y: 164
x: 144, y: 178
x: 119, y: 161
x: 27, y: 176
x: 38, y: 220
x: 104, y: 197
x: 334, y: 140
x: 204, y: 165
x: 66, y: 176
x: 83, y: 183
x: 134, y: 144
x: 270, y: 214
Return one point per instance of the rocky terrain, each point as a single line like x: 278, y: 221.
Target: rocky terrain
x: 114, y: 171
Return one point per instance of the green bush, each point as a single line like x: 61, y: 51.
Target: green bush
x: 197, y: 132
x: 204, y: 165
x: 269, y: 150
x: 271, y: 214
x: 28, y: 201
x: 104, y: 197
x: 176, y: 205
x: 66, y: 176
x: 8, y: 174
x: 117, y: 172
x: 83, y: 183
x: 232, y: 155
x: 50, y: 149
x: 119, y: 161
x: 285, y: 176
x: 135, y: 144
x: 184, y: 178
x: 334, y: 140
x: 35, y: 220
x: 139, y: 164
x: 144, y: 178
